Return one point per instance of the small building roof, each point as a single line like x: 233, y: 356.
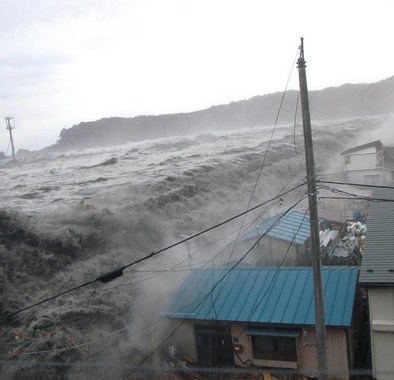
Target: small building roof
x: 292, y: 227
x: 265, y: 295
x: 377, y: 144
x: 377, y: 267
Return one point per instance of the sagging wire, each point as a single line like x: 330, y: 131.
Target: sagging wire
x: 356, y: 184
x: 352, y: 195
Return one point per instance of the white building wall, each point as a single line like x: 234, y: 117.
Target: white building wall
x: 367, y: 177
x: 381, y: 309
x: 361, y: 161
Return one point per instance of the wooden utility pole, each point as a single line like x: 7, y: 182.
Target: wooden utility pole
x: 321, y: 347
x: 10, y: 127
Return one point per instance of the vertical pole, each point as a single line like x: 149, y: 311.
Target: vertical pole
x: 320, y: 328
x: 10, y: 127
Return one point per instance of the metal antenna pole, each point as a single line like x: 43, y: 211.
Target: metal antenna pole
x: 320, y: 328
x: 10, y: 127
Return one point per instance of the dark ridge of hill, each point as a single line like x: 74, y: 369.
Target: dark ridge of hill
x: 346, y: 101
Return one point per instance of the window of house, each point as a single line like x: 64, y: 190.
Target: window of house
x: 347, y: 160
x: 269, y: 345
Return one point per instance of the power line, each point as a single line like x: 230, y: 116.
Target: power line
x: 47, y: 300
x: 356, y: 184
x: 354, y: 196
x: 375, y: 200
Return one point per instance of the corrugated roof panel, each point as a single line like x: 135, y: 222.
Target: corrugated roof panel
x: 250, y: 291
x: 293, y: 227
x: 265, y: 295
x: 300, y: 300
x: 278, y: 312
x: 226, y: 301
x: 334, y: 278
x: 377, y: 267
x: 267, y: 300
x: 256, y: 294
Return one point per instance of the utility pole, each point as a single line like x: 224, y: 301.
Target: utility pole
x: 320, y: 329
x: 10, y: 126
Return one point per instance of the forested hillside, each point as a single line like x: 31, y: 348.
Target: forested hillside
x: 347, y: 101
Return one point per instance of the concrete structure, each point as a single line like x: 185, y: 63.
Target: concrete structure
x: 264, y: 317
x: 377, y: 276
x: 370, y: 164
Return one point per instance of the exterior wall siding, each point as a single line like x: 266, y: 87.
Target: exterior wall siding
x: 381, y: 309
x: 271, y: 252
x: 337, y: 352
x: 381, y: 302
x: 185, y: 340
x: 278, y: 251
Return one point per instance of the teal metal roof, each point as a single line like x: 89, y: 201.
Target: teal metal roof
x: 265, y: 295
x: 294, y: 226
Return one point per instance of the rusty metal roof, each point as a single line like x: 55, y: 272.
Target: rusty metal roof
x: 265, y: 295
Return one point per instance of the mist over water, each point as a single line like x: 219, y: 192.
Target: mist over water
x: 67, y: 218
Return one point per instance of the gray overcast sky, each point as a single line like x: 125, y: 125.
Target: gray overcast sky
x: 67, y: 61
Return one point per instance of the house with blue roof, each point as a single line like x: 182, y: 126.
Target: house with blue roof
x: 282, y: 239
x: 264, y: 317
